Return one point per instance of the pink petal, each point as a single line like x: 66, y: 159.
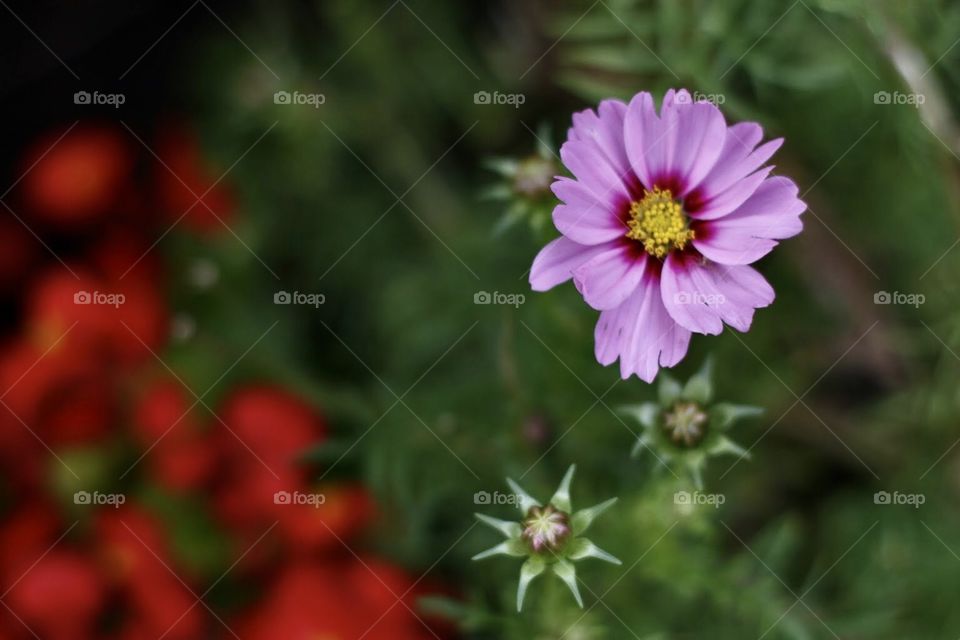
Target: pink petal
x: 701, y: 296
x: 641, y: 333
x: 583, y: 217
x: 607, y: 279
x: 679, y: 291
x: 682, y: 144
x: 701, y: 130
x: 647, y: 146
x: 730, y: 199
x: 556, y: 262
x: 749, y: 233
x: 738, y: 159
x: 593, y: 170
x: 604, y: 129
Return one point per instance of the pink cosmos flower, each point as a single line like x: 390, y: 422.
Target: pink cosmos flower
x: 660, y: 222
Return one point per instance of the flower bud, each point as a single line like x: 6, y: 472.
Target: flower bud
x: 548, y: 536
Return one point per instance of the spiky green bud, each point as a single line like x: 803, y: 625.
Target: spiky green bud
x: 549, y: 536
x: 684, y: 427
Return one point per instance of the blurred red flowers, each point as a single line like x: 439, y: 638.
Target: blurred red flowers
x: 77, y: 176
x: 134, y: 509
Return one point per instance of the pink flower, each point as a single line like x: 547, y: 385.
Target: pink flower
x: 660, y: 222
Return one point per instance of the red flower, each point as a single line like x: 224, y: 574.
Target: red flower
x: 182, y: 455
x: 78, y: 178
x: 135, y: 554
x: 346, y: 510
x: 122, y: 321
x: 336, y: 601
x: 272, y: 423
x: 264, y: 431
x: 26, y: 534
x: 187, y: 177
x: 58, y: 391
x: 60, y: 597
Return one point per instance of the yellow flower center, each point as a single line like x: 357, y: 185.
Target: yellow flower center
x: 658, y: 222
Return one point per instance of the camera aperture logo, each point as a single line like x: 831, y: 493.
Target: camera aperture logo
x: 296, y: 297
x: 897, y: 297
x: 896, y: 498
x: 97, y: 98
x: 97, y: 499
x: 698, y: 96
x: 99, y: 297
x: 898, y: 97
x: 687, y: 498
x: 497, y: 98
x: 497, y: 497
x: 697, y: 298
x: 299, y: 498
x: 299, y: 98
x: 511, y: 299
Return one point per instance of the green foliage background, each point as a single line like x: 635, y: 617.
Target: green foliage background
x: 374, y: 200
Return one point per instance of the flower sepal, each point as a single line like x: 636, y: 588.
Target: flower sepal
x: 549, y: 536
x: 683, y: 427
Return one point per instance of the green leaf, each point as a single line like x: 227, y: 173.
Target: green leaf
x: 643, y: 443
x: 530, y: 570
x: 526, y: 500
x: 582, y: 519
x: 568, y: 573
x: 561, y: 498
x: 645, y: 413
x: 725, y: 414
x: 581, y: 548
x: 699, y: 387
x: 506, y: 167
x: 513, y: 547
x: 668, y: 391
x: 726, y: 445
x: 507, y: 527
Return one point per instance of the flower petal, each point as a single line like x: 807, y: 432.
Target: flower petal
x: 772, y: 213
x: 702, y: 296
x: 729, y: 200
x: 647, y: 146
x: 641, y: 333
x: 700, y: 135
x: 586, y: 218
x: 593, y: 170
x: 556, y: 262
x: 604, y: 129
x: 607, y: 279
x: 732, y: 165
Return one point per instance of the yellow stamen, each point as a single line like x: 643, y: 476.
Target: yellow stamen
x: 659, y: 223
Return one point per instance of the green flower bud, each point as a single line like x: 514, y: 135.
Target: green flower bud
x: 549, y: 536
x: 524, y: 186
x: 684, y: 427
